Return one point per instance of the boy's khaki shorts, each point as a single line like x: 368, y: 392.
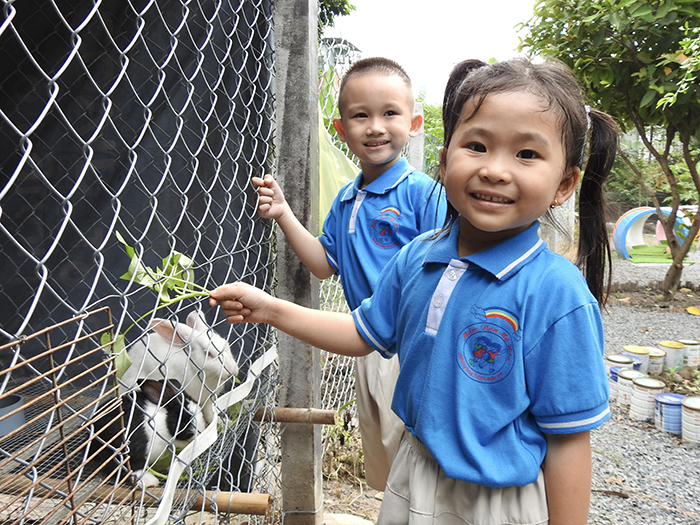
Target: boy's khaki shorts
x: 419, y: 493
x: 381, y: 429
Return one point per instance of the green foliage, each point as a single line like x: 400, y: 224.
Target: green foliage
x: 174, y: 282
x: 616, y: 48
x: 688, y: 59
x: 434, y: 136
x: 329, y: 9
x: 685, y: 188
x: 122, y: 360
x: 626, y: 55
x: 175, y: 277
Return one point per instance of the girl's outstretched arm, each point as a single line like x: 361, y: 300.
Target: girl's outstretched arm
x: 567, y: 478
x: 331, y: 331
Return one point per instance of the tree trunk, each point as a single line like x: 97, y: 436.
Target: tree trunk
x: 678, y: 252
x: 673, y: 279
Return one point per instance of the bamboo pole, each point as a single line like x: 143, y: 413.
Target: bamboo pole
x: 226, y: 502
x: 313, y: 416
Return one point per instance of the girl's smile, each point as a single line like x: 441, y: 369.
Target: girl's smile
x: 504, y: 168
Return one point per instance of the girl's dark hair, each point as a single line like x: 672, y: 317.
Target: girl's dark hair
x: 554, y: 84
x: 457, y: 76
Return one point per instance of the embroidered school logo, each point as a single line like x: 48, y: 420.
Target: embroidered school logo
x: 485, y: 350
x: 385, y: 228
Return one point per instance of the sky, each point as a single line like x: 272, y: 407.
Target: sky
x: 428, y: 37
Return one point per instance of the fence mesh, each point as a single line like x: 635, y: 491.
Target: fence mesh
x: 145, y: 118
x: 338, y: 372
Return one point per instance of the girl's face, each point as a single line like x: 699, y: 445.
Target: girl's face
x: 503, y: 168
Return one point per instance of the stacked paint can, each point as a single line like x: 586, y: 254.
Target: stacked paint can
x: 625, y: 378
x: 612, y: 381
x: 656, y: 360
x: 691, y: 355
x: 643, y: 399
x: 624, y: 361
x: 638, y: 353
x: 690, y: 419
x: 613, y: 364
x: 674, y: 354
x: 667, y: 413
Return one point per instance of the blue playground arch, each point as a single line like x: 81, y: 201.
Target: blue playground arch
x: 629, y: 230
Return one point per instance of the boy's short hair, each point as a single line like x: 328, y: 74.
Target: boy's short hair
x: 377, y: 66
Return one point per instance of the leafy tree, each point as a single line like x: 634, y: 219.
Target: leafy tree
x: 329, y: 9
x: 619, y: 50
x: 688, y: 56
x: 434, y: 136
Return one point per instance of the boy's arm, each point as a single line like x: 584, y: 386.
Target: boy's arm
x: 331, y: 331
x: 567, y: 477
x: 273, y: 205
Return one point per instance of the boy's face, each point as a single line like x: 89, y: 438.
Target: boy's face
x: 376, y: 120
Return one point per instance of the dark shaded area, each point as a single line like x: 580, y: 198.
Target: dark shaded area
x: 143, y: 118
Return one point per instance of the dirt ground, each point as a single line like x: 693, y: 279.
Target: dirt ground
x: 345, y: 496
x: 651, y: 298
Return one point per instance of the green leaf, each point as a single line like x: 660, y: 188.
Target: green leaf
x: 616, y: 19
x: 642, y: 10
x: 664, y: 9
x: 129, y: 250
x: 600, y: 36
x: 648, y: 97
x: 644, y: 57
x: 179, y: 266
x: 122, y: 361
x: 140, y: 274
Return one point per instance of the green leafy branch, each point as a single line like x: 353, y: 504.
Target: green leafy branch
x: 174, y: 282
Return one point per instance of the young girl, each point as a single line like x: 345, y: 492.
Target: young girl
x: 500, y: 340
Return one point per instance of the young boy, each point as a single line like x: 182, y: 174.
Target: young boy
x: 385, y: 207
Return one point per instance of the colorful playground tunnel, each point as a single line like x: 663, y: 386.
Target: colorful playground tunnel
x: 629, y: 229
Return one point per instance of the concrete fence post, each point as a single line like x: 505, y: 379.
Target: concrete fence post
x: 416, y: 145
x: 296, y: 79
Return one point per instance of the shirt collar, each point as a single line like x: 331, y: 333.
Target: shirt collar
x: 502, y: 260
x: 384, y: 183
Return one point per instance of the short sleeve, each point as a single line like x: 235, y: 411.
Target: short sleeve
x: 376, y: 317
x: 565, y: 374
x: 329, y: 237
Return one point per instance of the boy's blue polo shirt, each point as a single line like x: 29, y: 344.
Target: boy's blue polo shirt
x: 495, y: 349
x: 366, y: 227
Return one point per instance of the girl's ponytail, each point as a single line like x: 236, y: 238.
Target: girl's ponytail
x: 594, y: 253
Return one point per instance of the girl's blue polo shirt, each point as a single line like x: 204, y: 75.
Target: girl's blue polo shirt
x: 495, y: 349
x: 366, y: 227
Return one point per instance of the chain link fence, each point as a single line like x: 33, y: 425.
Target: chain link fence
x: 338, y: 372
x: 336, y: 55
x: 144, y: 118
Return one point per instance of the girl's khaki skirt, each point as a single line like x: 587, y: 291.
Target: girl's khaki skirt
x: 419, y: 493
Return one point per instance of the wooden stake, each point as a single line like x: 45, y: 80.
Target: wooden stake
x: 313, y: 416
x: 226, y: 502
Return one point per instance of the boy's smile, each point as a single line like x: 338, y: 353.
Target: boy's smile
x: 376, y: 121
x: 504, y: 168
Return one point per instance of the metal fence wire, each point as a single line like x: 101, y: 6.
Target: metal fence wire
x: 338, y: 372
x: 147, y: 119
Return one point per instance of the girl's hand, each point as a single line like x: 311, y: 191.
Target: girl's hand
x: 332, y: 331
x: 241, y: 303
x: 271, y: 201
